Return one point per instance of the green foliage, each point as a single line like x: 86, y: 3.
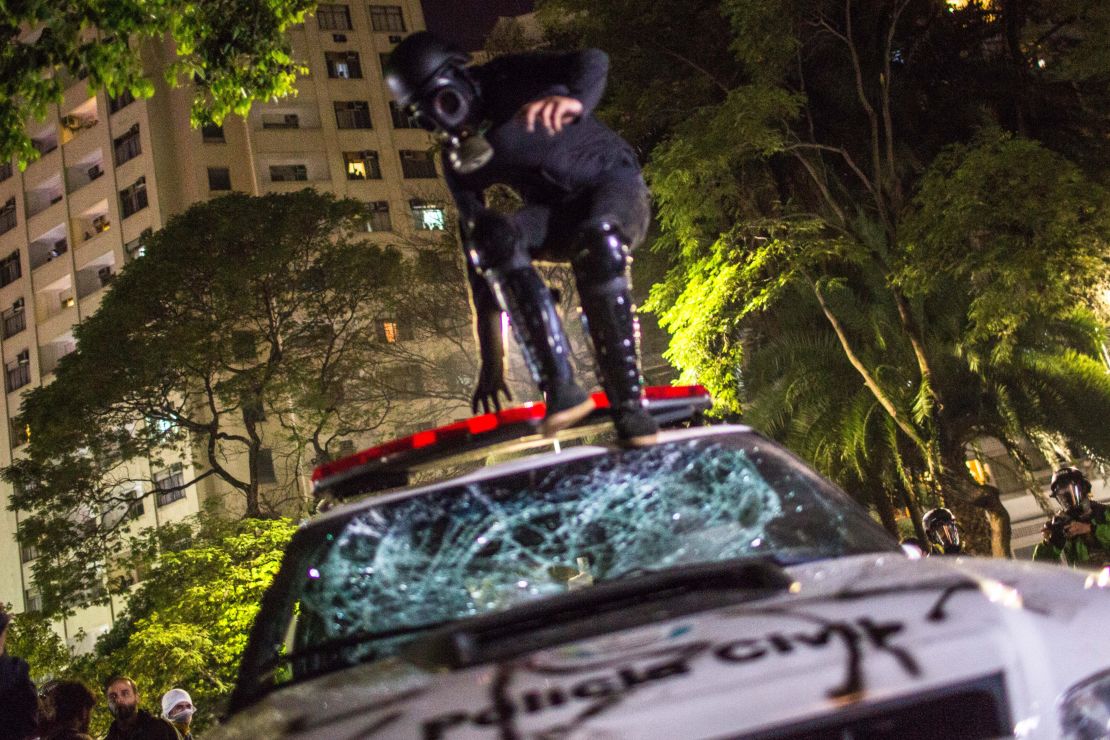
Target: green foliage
x: 886, y: 221
x: 32, y: 638
x: 187, y: 623
x: 231, y: 51
x: 221, y: 323
x: 1013, y: 221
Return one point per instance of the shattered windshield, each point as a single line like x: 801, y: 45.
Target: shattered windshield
x: 484, y: 546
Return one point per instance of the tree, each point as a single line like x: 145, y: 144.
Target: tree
x: 814, y: 158
x: 232, y: 52
x: 32, y: 638
x: 187, y: 623
x: 226, y: 340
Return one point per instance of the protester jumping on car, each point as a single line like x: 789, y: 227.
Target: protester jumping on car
x: 525, y: 120
x: 1080, y: 530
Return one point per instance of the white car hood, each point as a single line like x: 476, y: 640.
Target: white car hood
x: 851, y: 637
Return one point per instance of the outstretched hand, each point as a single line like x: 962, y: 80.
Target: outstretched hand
x: 552, y: 112
x: 491, y: 384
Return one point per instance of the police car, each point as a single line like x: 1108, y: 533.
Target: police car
x: 707, y: 586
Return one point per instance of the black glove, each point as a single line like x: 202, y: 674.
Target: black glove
x: 491, y: 383
x: 1053, y: 532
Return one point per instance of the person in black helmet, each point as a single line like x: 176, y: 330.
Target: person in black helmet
x: 942, y: 532
x: 1080, y: 530
x: 525, y: 120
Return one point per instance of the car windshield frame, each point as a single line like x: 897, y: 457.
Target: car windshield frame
x: 269, y: 645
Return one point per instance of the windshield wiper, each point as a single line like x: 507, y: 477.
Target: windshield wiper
x: 352, y: 640
x: 469, y: 642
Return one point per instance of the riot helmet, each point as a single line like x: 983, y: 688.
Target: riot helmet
x: 427, y: 78
x: 940, y: 527
x: 1070, y: 488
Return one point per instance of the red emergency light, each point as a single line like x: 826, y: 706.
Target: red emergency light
x: 667, y: 403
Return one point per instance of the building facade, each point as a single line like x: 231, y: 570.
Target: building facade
x: 113, y: 170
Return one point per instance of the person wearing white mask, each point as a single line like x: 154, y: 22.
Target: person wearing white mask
x: 178, y: 710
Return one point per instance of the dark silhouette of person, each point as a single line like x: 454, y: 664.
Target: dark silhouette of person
x: 71, y: 704
x: 526, y: 121
x: 19, y: 702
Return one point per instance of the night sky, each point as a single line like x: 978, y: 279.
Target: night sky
x: 466, y: 22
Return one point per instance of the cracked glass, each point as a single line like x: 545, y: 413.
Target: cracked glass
x: 459, y: 551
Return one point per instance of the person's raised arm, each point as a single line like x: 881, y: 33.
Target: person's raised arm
x: 573, y: 83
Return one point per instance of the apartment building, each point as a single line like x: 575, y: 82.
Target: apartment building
x: 113, y: 170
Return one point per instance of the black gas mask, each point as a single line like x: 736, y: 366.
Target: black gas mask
x: 448, y: 107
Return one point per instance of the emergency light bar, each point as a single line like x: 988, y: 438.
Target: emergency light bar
x: 387, y: 465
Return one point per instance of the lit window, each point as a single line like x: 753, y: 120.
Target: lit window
x: 428, y: 216
x: 362, y: 165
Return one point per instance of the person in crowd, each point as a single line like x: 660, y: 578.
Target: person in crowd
x: 131, y: 722
x: 1079, y: 532
x: 71, y: 704
x: 526, y: 121
x: 178, y: 710
x: 942, y: 531
x: 19, y: 702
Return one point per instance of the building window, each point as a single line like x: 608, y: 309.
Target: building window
x: 212, y: 133
x: 133, y: 198
x: 383, y: 60
x: 170, y: 484
x: 136, y: 247
x: 7, y: 216
x: 393, y: 330
x: 352, y: 114
x: 416, y: 164
x: 6, y: 171
x: 343, y: 65
x: 254, y: 411
x: 333, y: 17
x: 401, y: 118
x: 32, y: 601
x: 10, y: 269
x: 18, y: 372
x: 121, y: 101
x: 288, y: 173
x: 378, y: 216
x: 128, y: 146
x: 428, y: 216
x: 14, y: 319
x: 362, y: 165
x: 406, y: 378
x: 219, y: 178
x: 280, y: 120
x: 266, y: 472
x: 28, y: 553
x: 387, y: 18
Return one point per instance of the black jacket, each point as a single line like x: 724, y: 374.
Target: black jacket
x: 543, y: 168
x: 147, y: 727
x: 19, y: 704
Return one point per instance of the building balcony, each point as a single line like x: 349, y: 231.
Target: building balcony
x: 83, y: 173
x: 47, y: 164
x: 42, y: 220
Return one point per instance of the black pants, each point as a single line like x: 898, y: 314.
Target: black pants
x: 551, y: 230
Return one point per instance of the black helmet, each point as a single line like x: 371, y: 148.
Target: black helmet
x: 1070, y: 487
x: 415, y: 62
x: 940, y: 526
